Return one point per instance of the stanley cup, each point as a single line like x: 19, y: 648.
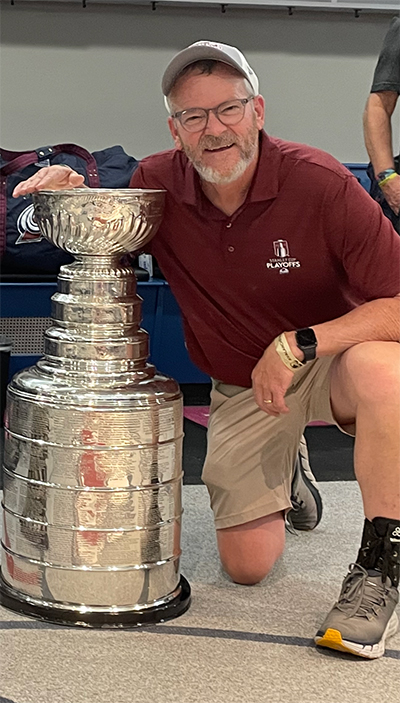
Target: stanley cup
x: 93, y: 439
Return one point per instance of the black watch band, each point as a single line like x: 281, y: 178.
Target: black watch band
x: 307, y: 343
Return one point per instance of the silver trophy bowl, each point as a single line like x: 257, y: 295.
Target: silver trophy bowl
x: 97, y: 221
x: 93, y: 436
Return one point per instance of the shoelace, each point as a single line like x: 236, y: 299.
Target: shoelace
x: 360, y: 596
x: 296, y: 504
x: 380, y: 552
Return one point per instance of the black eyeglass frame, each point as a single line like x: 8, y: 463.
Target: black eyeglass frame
x: 243, y: 101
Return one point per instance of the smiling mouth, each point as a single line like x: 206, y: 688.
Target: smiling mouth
x: 219, y: 149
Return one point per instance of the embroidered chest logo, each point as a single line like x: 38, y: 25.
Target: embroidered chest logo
x: 282, y: 261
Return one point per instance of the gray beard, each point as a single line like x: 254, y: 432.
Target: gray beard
x: 211, y: 175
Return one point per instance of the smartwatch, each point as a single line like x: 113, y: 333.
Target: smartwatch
x: 307, y: 342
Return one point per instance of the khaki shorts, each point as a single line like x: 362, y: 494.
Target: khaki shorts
x: 250, y: 455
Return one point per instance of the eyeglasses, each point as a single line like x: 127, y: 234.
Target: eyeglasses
x: 228, y: 113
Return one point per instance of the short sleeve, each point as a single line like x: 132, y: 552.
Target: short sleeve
x: 387, y: 71
x: 138, y: 179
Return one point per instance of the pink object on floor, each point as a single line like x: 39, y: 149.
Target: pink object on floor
x: 197, y: 413
x: 201, y: 413
x: 319, y: 423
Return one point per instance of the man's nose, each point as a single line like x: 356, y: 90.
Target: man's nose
x: 214, y: 126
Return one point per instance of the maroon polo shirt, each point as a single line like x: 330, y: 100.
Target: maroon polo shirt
x: 307, y: 246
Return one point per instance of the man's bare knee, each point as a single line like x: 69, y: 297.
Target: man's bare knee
x: 371, y: 370
x: 249, y: 574
x: 249, y: 551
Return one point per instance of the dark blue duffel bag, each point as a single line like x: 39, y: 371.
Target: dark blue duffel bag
x: 22, y: 248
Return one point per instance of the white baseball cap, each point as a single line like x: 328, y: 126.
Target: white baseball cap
x: 203, y: 50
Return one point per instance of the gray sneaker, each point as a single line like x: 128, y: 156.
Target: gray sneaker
x: 363, y: 617
x: 306, y: 499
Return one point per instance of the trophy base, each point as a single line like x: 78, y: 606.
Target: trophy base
x: 99, y: 619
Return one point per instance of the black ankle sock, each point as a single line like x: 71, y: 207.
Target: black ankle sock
x: 385, y: 524
x: 380, y: 547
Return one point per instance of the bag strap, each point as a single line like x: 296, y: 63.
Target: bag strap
x: 12, y: 161
x: 17, y: 160
x: 92, y: 172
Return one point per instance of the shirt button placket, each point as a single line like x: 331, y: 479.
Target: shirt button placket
x: 229, y: 247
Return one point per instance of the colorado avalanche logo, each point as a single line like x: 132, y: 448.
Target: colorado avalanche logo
x: 27, y: 227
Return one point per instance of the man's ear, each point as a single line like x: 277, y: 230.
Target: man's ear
x: 259, y: 108
x: 174, y: 133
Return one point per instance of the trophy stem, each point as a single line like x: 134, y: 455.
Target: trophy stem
x: 96, y: 317
x: 97, y: 267
x: 91, y: 261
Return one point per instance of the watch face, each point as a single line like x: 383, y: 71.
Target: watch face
x: 306, y: 337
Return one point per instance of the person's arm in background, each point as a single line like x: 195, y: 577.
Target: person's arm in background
x: 378, y: 129
x: 379, y: 110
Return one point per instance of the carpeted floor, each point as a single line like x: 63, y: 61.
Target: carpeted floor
x: 236, y: 644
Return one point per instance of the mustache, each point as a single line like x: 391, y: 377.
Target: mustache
x: 209, y: 141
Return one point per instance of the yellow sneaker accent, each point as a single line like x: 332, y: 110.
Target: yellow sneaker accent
x: 333, y: 640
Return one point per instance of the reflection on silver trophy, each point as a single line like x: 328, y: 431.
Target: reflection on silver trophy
x: 93, y: 446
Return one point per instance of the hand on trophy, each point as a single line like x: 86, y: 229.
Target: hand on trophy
x: 50, y: 178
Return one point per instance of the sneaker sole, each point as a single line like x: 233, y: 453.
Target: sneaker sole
x: 318, y: 502
x: 333, y: 640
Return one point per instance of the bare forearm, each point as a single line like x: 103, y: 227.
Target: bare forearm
x: 378, y: 320
x: 378, y: 131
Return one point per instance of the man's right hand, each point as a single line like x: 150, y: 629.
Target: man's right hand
x: 50, y: 178
x: 391, y: 191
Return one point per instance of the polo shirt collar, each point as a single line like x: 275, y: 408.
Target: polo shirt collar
x: 265, y: 184
x: 265, y: 181
x: 192, y: 188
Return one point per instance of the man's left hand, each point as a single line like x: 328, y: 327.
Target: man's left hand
x: 271, y: 379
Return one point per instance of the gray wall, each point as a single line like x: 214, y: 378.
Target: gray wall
x: 92, y: 76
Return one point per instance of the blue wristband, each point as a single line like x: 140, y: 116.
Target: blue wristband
x: 384, y: 174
